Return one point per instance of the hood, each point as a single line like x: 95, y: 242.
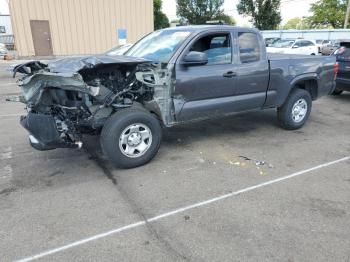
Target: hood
x: 77, y: 63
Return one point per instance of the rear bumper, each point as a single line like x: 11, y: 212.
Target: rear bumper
x: 343, y: 84
x: 43, y: 132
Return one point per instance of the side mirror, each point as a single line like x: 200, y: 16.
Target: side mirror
x: 295, y: 46
x: 195, y: 58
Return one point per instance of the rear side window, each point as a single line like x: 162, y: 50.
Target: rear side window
x: 249, y: 47
x: 299, y: 44
x: 306, y: 43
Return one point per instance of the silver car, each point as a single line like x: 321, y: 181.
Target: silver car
x: 330, y: 47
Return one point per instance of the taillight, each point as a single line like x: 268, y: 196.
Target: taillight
x: 339, y: 51
x: 335, y: 70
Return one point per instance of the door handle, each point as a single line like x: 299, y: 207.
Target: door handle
x: 230, y: 74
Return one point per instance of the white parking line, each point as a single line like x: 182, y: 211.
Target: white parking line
x: 7, y: 84
x: 10, y: 115
x: 177, y: 211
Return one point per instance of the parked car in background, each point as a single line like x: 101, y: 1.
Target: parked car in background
x: 119, y: 50
x: 342, y: 55
x: 3, y: 50
x: 271, y: 40
x: 7, y: 41
x: 320, y: 43
x: 293, y: 46
x: 330, y: 47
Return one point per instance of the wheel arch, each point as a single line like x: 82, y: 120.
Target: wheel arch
x: 308, y: 83
x: 153, y: 110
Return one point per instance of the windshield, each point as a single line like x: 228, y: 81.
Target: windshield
x: 283, y: 43
x: 119, y: 50
x: 158, y: 46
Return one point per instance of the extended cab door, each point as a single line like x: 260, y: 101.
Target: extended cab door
x: 206, y: 90
x: 252, y: 71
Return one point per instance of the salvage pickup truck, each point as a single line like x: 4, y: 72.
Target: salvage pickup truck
x: 169, y: 77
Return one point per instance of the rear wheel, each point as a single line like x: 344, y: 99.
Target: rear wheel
x: 296, y: 109
x: 131, y: 137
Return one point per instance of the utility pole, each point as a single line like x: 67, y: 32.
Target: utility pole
x: 347, y: 16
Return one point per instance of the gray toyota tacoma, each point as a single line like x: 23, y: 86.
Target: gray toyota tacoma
x: 169, y: 77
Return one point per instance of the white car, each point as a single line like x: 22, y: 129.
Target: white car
x: 294, y: 46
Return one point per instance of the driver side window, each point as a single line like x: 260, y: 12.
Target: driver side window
x: 300, y: 44
x: 216, y: 46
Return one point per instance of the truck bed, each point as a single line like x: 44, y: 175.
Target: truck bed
x: 286, y: 69
x: 273, y: 56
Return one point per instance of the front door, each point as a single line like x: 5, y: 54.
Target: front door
x: 202, y: 91
x: 41, y: 37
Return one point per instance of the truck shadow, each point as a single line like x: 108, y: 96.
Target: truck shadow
x: 237, y: 125
x: 220, y: 129
x: 343, y: 97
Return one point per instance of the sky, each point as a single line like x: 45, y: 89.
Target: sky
x: 289, y: 9
x: 4, y: 7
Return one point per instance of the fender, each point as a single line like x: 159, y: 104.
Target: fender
x: 303, y: 77
x: 276, y: 96
x: 293, y: 84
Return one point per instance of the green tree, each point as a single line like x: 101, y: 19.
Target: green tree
x: 160, y: 19
x: 226, y: 19
x: 297, y: 23
x: 293, y: 23
x: 328, y: 13
x: 199, y: 11
x: 175, y: 21
x: 264, y: 14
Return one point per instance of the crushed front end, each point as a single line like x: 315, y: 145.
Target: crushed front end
x: 75, y: 96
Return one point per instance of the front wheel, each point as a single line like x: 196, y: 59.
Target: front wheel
x: 295, y: 110
x: 131, y: 137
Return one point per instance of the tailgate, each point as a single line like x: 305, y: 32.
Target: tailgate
x: 343, y: 59
x: 344, y: 67
x: 344, y: 70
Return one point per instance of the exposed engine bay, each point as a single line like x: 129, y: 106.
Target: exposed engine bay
x: 75, y: 96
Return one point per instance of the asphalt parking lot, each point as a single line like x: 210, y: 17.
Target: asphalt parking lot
x: 234, y: 189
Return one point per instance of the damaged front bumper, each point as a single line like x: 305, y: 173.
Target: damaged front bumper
x: 72, y: 97
x: 44, y: 134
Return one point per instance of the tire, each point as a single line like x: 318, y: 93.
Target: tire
x: 124, y: 137
x: 293, y: 114
x: 337, y: 92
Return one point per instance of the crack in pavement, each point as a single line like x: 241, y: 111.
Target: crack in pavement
x: 99, y: 162
x: 135, y: 208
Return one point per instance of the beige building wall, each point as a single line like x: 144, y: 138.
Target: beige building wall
x: 80, y: 26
